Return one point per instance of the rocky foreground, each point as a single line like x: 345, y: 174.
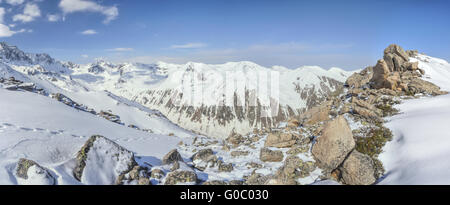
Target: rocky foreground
x: 336, y: 142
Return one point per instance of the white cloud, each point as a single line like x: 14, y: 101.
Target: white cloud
x: 72, y: 6
x: 53, y: 17
x: 189, y: 45
x: 120, y: 49
x: 2, y: 14
x: 30, y: 12
x: 84, y: 56
x: 89, y: 32
x: 5, y: 31
x: 15, y: 2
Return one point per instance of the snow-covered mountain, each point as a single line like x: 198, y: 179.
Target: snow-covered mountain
x: 53, y: 113
x: 216, y: 99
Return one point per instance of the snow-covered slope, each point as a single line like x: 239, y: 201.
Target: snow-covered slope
x: 215, y: 99
x: 419, y: 152
x: 39, y: 128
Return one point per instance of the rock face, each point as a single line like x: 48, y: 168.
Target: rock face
x: 334, y: 145
x: 181, y: 177
x: 267, y: 155
x: 101, y: 161
x: 280, y: 140
x: 247, y: 109
x: 29, y: 172
x: 171, y: 157
x: 358, y: 169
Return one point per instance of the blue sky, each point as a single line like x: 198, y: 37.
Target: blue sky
x: 347, y: 34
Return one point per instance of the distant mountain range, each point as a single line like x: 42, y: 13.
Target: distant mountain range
x: 195, y: 96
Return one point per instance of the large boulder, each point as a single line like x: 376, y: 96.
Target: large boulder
x: 268, y: 155
x: 101, y: 161
x: 171, y: 157
x: 334, y: 145
x: 358, y: 169
x: 380, y: 74
x: 29, y: 172
x: 280, y: 140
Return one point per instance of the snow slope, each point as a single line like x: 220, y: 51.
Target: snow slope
x: 49, y: 132
x: 420, y: 150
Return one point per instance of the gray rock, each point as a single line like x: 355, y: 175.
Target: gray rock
x: 215, y: 182
x: 280, y: 140
x: 172, y: 157
x: 267, y: 155
x: 358, y: 169
x: 180, y: 177
x: 203, y: 159
x: 40, y: 175
x: 97, y: 144
x: 157, y: 174
x: 223, y: 167
x: 334, y: 145
x: 239, y: 153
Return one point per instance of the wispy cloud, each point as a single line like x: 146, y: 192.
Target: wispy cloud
x: 89, y: 32
x: 73, y: 6
x: 15, y: 2
x: 289, y: 54
x: 189, y: 46
x: 120, y: 49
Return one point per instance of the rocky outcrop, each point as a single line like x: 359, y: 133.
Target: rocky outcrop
x: 181, y: 177
x: 137, y: 176
x: 171, y: 157
x: 268, y: 155
x: 29, y: 172
x: 102, y: 161
x: 357, y: 80
x: 334, y: 145
x: 396, y: 73
x: 358, y: 169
